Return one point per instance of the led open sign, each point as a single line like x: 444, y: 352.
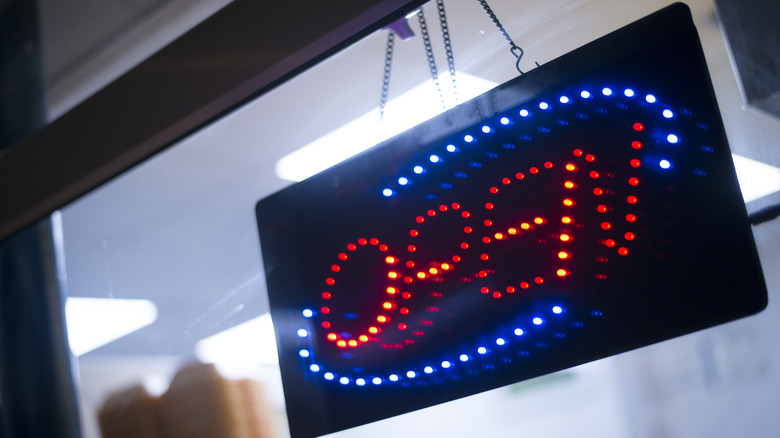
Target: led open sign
x: 584, y: 209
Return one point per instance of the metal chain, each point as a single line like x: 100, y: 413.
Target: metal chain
x: 429, y: 54
x: 445, y: 32
x: 386, y: 78
x: 516, y: 50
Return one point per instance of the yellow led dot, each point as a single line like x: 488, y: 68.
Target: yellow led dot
x: 563, y: 255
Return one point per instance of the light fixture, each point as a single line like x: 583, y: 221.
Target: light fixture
x: 756, y: 179
x: 94, y: 322
x: 250, y: 343
x: 402, y: 113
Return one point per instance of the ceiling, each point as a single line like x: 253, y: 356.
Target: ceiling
x: 179, y: 230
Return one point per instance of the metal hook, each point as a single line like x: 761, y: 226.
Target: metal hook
x: 518, y: 53
x: 514, y: 48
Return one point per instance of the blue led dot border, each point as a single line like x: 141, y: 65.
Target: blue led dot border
x: 514, y: 343
x: 525, y: 114
x: 666, y: 133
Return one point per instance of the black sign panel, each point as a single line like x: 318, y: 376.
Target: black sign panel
x: 584, y: 209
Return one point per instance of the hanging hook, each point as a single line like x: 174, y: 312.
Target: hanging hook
x: 516, y: 51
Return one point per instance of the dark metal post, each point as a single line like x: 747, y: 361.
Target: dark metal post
x: 22, y: 100
x: 37, y: 395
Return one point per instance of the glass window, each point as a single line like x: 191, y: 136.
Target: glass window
x: 164, y: 267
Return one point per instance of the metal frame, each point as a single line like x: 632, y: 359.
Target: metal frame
x: 237, y: 54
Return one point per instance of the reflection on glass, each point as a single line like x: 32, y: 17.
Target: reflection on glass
x: 94, y: 322
x: 402, y: 113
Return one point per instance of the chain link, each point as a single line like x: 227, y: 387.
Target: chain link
x: 445, y: 32
x: 386, y: 78
x: 514, y: 49
x: 429, y: 54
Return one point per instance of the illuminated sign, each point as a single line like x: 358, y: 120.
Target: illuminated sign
x: 584, y: 209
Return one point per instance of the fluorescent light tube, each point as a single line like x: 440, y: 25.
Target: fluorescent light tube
x: 94, y: 322
x: 408, y: 110
x: 756, y: 179
x: 250, y: 343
